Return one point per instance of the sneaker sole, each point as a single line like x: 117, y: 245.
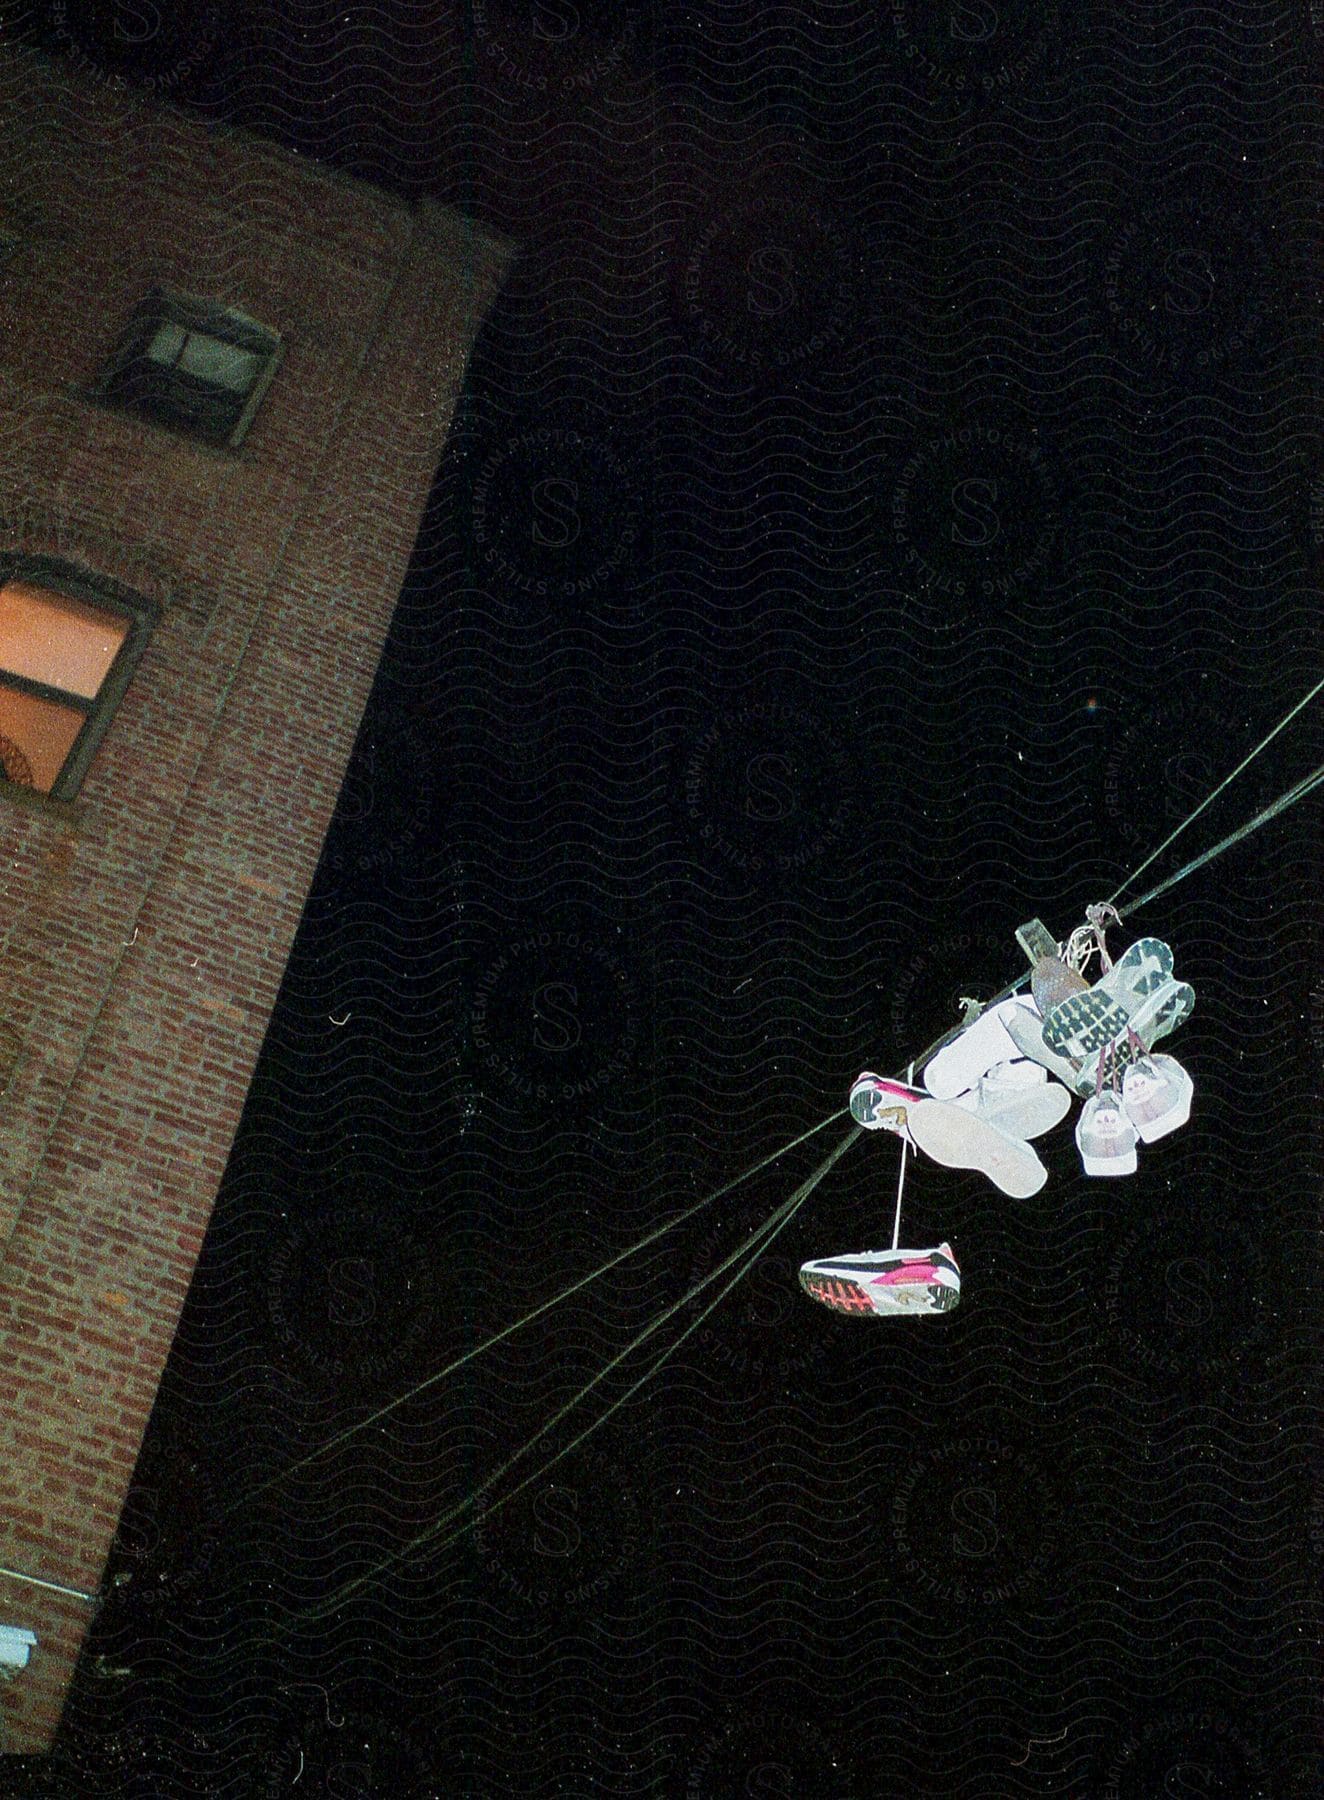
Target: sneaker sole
x: 845, y: 1296
x: 1163, y: 1012
x: 958, y: 1139
x: 1026, y: 1031
x: 842, y: 1296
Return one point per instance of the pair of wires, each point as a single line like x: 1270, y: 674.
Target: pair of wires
x: 459, y: 1517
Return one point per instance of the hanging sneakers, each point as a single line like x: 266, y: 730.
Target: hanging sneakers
x: 1105, y: 1136
x: 880, y: 1282
x: 962, y: 1140
x: 880, y: 1104
x: 1156, y: 1096
x: 1163, y: 1011
x: 1019, y: 1099
x: 1026, y: 1030
x: 1138, y: 993
x: 958, y: 1065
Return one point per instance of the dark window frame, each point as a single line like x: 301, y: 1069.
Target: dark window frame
x: 171, y: 397
x: 143, y: 616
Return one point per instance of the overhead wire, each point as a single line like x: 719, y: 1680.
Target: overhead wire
x: 457, y: 1519
x: 763, y: 1234
x: 1227, y: 781
x: 1305, y: 786
x: 528, y: 1318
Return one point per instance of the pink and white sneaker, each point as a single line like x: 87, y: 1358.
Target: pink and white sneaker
x: 880, y: 1104
x: 882, y: 1282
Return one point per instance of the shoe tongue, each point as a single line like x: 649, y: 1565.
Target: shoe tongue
x: 1107, y: 1102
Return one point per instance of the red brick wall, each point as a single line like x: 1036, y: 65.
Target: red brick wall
x: 144, y: 927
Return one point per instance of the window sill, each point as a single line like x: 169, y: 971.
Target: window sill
x: 68, y: 812
x: 177, y: 434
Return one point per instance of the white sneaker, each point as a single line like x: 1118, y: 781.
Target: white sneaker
x: 1019, y: 1099
x: 1163, y: 1011
x: 1026, y: 1030
x: 961, y: 1140
x: 1105, y: 1137
x: 1156, y: 1093
x: 973, y: 1052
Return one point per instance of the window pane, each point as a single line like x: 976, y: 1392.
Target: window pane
x: 35, y: 738
x: 49, y: 637
x: 212, y: 359
x: 166, y: 344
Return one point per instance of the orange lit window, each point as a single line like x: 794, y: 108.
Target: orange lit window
x: 64, y: 661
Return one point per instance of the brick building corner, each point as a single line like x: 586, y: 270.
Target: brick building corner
x: 228, y: 377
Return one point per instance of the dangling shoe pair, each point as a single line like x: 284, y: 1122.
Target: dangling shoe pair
x: 1137, y: 995
x: 1155, y: 1099
x: 973, y: 1133
x: 1009, y: 1032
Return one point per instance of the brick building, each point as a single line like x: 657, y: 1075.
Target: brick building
x: 227, y: 378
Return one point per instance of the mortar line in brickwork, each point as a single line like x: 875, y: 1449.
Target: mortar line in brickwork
x: 314, y: 491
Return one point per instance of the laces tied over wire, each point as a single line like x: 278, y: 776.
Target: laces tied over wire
x: 1090, y: 939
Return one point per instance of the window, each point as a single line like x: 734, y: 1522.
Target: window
x: 193, y: 365
x: 66, y: 655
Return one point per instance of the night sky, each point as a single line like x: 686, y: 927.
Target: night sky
x: 886, y: 499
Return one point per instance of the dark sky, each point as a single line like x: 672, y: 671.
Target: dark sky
x: 885, y: 501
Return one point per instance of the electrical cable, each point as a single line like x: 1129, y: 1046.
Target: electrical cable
x: 1298, y: 792
x: 455, y: 1521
